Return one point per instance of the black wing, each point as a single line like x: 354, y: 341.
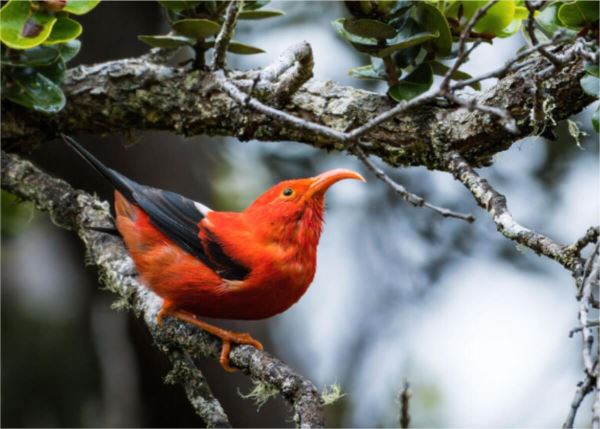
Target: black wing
x: 174, y: 215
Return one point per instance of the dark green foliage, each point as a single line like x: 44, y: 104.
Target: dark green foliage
x: 196, y: 24
x: 38, y: 38
x: 408, y: 40
x: 411, y: 37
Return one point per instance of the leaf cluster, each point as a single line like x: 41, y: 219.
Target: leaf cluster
x: 578, y: 18
x: 38, y: 39
x: 197, y: 23
x: 408, y: 40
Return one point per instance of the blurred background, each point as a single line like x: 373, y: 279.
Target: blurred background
x: 478, y: 326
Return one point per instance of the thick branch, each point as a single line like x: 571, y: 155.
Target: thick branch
x: 136, y: 94
x: 77, y: 210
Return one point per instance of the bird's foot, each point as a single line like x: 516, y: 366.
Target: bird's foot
x: 227, y: 337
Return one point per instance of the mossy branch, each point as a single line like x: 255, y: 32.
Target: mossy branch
x: 139, y: 94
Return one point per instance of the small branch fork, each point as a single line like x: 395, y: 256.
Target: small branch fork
x: 78, y: 211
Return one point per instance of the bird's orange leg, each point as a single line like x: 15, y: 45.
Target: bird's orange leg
x: 226, y: 336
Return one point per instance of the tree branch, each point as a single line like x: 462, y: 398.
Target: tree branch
x: 136, y: 94
x: 495, y: 203
x: 77, y: 210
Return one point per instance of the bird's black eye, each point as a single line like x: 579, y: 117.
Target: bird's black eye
x: 288, y: 192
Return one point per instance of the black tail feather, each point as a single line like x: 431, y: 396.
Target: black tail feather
x: 124, y: 185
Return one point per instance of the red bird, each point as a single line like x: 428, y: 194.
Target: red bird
x: 248, y: 265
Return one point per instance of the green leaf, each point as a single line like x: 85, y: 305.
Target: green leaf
x: 243, y: 49
x: 23, y: 28
x: 253, y: 5
x: 367, y: 72
x: 407, y: 57
x: 549, y: 22
x: 434, y: 22
x: 38, y: 56
x: 56, y: 71
x: 497, y: 17
x: 16, y: 215
x: 521, y: 12
x: 338, y: 25
x: 239, y: 48
x: 370, y: 28
x: 64, y: 29
x: 68, y: 50
x: 592, y: 69
x: 596, y: 119
x: 41, y: 55
x: 415, y: 39
x: 259, y: 14
x: 197, y: 28
x: 167, y: 41
x: 510, y: 30
x: 578, y: 13
x: 80, y: 7
x: 34, y: 91
x: 548, y: 19
x: 590, y: 85
x: 441, y: 69
x: 257, y: 4
x: 416, y: 83
x: 178, y: 6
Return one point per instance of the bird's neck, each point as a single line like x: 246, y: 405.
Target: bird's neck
x: 299, y: 229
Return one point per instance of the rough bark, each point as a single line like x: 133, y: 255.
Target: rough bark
x: 137, y: 94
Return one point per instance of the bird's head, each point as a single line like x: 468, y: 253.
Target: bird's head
x: 296, y: 206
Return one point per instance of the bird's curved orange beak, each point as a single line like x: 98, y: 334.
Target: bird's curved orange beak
x: 323, y: 181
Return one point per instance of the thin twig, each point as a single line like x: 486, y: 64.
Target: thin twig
x: 419, y: 100
x: 242, y: 98
x: 532, y: 8
x: 583, y: 389
x: 596, y: 404
x: 463, y: 54
x: 589, y: 283
x: 226, y: 34
x: 472, y: 104
x: 590, y: 237
x: 414, y: 199
x: 495, y: 203
x: 511, y: 65
x: 405, y: 396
